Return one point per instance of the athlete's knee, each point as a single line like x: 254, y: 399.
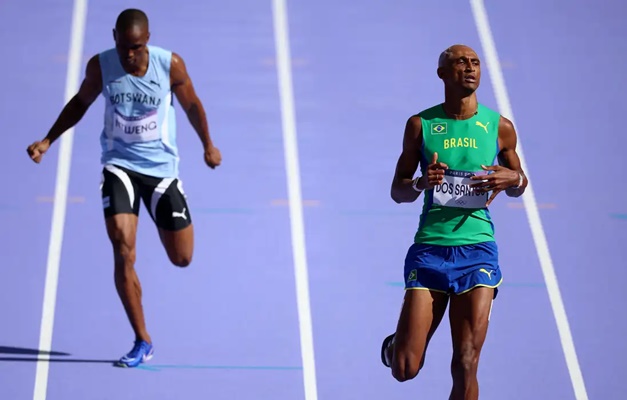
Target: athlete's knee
x: 123, y: 247
x: 406, y: 366
x: 124, y: 251
x: 124, y: 254
x: 179, y: 245
x: 181, y: 259
x: 465, y: 359
x: 180, y: 256
x: 121, y: 230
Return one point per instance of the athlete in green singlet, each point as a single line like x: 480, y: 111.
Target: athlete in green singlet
x: 454, y: 256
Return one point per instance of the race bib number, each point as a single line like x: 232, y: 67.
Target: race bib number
x: 455, y: 191
x: 142, y: 128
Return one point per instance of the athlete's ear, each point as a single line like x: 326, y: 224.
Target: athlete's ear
x: 114, y: 39
x: 148, y: 37
x: 441, y: 73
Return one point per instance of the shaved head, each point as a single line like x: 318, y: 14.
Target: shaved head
x: 451, y: 52
x: 130, y: 18
x: 460, y: 69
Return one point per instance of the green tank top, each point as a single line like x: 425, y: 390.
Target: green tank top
x: 451, y: 214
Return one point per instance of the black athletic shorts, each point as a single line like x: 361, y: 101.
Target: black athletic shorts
x: 163, y: 197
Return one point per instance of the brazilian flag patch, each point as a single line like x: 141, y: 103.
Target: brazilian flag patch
x: 412, y: 275
x: 438, y: 128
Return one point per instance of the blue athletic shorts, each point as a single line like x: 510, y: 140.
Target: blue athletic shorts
x: 452, y: 269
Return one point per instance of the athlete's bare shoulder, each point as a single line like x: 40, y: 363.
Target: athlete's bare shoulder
x: 412, y: 139
x: 178, y: 70
x: 414, y: 124
x: 506, y: 125
x: 91, y: 86
x: 507, y: 134
x: 177, y: 60
x: 93, y: 66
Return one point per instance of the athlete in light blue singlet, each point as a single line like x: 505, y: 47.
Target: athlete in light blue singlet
x: 139, y: 126
x: 139, y: 154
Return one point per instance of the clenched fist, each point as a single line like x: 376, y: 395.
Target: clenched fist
x: 213, y: 158
x: 37, y: 150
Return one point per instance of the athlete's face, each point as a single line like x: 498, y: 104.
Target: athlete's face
x: 131, y: 46
x: 462, y: 69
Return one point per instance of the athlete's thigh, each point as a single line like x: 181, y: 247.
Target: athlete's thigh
x: 426, y: 286
x: 119, y: 191
x: 167, y: 204
x: 421, y: 314
x: 469, y: 316
x: 120, y: 201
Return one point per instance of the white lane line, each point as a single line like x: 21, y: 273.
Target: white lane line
x: 79, y: 15
x: 281, y: 35
x: 529, y: 200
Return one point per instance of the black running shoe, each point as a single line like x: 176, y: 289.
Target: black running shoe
x: 384, y: 347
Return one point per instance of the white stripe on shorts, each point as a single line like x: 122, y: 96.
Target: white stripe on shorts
x: 156, y: 195
x: 125, y: 180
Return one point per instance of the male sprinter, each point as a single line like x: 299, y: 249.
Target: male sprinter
x: 139, y: 153
x: 455, y: 254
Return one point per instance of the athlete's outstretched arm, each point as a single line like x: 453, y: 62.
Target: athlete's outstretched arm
x: 73, y: 111
x: 183, y: 89
x: 407, y: 164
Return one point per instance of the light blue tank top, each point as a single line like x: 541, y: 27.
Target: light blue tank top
x: 139, y: 122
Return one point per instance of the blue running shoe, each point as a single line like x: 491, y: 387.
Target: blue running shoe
x: 142, y: 351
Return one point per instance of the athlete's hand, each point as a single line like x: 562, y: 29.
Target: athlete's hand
x: 213, y: 158
x: 500, y: 179
x: 434, y: 175
x: 37, y: 150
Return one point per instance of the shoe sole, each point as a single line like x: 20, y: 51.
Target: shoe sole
x: 384, y: 347
x: 145, y: 358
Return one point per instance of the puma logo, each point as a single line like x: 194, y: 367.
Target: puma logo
x: 485, y: 271
x: 179, y: 214
x: 485, y: 127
